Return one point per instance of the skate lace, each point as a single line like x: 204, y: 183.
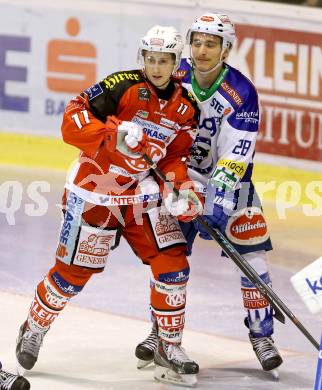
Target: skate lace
x: 264, y: 347
x: 6, y: 380
x: 151, y: 341
x: 31, y: 342
x: 176, y: 352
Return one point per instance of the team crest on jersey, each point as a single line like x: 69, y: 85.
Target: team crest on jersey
x: 144, y: 94
x: 138, y: 164
x: 247, y: 227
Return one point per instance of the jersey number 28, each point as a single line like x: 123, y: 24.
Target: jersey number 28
x: 242, y: 147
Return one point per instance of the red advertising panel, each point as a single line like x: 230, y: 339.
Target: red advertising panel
x: 286, y: 67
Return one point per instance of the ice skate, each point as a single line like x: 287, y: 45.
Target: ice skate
x: 267, y: 354
x: 28, y: 346
x: 174, y: 366
x: 12, y: 382
x: 145, y: 350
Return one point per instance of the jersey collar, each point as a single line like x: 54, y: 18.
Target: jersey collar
x: 205, y: 94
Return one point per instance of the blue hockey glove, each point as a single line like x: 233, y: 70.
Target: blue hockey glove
x: 217, y: 211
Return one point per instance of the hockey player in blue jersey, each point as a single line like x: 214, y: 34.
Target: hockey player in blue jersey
x: 222, y: 158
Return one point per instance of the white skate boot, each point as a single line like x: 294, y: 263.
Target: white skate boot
x: 145, y: 350
x: 267, y: 354
x: 174, y: 366
x: 12, y: 382
x: 28, y: 346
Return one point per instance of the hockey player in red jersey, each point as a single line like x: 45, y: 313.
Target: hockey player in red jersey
x: 222, y: 158
x: 111, y: 193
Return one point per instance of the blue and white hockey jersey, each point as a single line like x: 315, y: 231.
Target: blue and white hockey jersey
x: 223, y: 152
x: 228, y: 126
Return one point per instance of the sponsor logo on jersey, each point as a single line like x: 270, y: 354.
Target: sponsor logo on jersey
x: 253, y: 299
x: 175, y: 277
x: 93, y: 91
x: 96, y: 245
x: 143, y: 94
x: 167, y: 122
x: 237, y: 167
x: 223, y: 179
x: 247, y: 227
x: 155, y: 134
x: 166, y: 224
x: 41, y: 315
x: 64, y: 286
x: 166, y: 230
x: 111, y: 81
x: 55, y: 299
x: 232, y: 93
x: 73, y: 211
x: 176, y: 300
x: 164, y: 288
x: 217, y: 106
x: 93, y: 247
x: 167, y: 321
x: 142, y: 114
x: 248, y: 116
x: 153, y: 130
x: 128, y: 200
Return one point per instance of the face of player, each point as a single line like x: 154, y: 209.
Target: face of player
x: 205, y: 50
x: 158, y: 68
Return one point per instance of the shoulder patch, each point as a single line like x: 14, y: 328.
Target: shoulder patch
x: 93, y: 91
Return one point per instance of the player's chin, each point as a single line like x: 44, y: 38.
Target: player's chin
x: 159, y: 82
x: 203, y: 67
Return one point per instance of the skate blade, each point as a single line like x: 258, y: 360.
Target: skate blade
x: 19, y: 369
x: 275, y: 373
x: 166, y: 375
x: 143, y: 363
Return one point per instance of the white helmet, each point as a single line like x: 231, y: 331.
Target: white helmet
x: 215, y: 24
x: 162, y: 39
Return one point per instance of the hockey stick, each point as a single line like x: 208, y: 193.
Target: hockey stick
x: 277, y: 304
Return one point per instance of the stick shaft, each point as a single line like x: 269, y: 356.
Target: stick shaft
x: 243, y: 265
